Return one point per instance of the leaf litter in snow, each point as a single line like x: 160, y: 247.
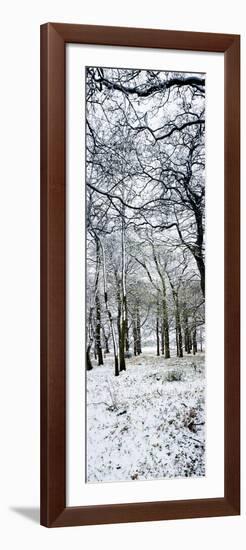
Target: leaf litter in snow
x: 149, y: 422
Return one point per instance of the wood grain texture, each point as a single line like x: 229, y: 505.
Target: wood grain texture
x: 53, y: 258
x: 144, y: 38
x: 232, y: 272
x: 54, y: 37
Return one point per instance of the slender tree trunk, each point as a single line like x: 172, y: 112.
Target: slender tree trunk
x: 158, y: 328
x: 139, y: 343
x: 127, y: 330
x: 107, y: 350
x: 88, y: 358
x: 162, y: 338
x: 194, y: 341
x: 187, y: 340
x: 98, y: 327
x: 106, y: 339
x: 122, y: 348
x: 177, y: 340
x: 180, y: 339
x: 165, y: 325
x: 120, y: 324
x: 98, y: 331
x: 201, y: 340
x: 164, y: 304
x: 190, y: 343
x: 178, y: 327
x: 90, y: 339
x: 124, y: 305
x: 157, y: 337
x: 111, y: 324
x: 95, y: 350
x: 134, y: 331
x: 118, y: 298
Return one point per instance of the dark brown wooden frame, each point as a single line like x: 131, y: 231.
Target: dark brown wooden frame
x: 54, y: 512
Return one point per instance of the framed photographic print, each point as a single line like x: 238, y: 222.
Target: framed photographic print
x: 140, y: 352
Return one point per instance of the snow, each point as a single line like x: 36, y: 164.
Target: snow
x: 149, y: 422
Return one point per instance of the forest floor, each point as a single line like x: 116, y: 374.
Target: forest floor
x: 149, y: 422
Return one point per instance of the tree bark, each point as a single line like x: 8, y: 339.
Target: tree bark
x: 88, y: 358
x: 178, y: 326
x: 201, y: 266
x: 127, y: 330
x: 98, y: 308
x: 134, y: 331
x: 111, y: 324
x: 98, y: 331
x: 162, y: 338
x: 157, y: 338
x: 201, y: 340
x: 199, y: 247
x: 165, y: 324
x: 139, y: 346
x: 194, y: 342
x: 90, y: 339
x: 123, y: 288
x: 106, y: 339
x: 158, y: 328
x: 187, y: 340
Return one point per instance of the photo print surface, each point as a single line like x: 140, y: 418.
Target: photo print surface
x: 145, y: 275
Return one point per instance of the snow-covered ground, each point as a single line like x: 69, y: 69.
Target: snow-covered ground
x: 147, y: 423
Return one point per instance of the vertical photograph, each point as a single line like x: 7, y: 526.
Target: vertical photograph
x: 145, y: 275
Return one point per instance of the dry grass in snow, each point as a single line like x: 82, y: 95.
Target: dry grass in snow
x: 147, y: 423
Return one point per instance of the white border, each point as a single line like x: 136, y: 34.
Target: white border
x: 78, y: 492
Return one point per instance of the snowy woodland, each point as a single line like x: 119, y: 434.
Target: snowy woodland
x: 145, y: 179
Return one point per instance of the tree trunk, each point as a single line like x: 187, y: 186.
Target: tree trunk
x: 201, y: 340
x: 98, y: 343
x: 120, y: 327
x: 180, y: 340
x: 157, y: 337
x: 165, y: 325
x: 164, y: 304
x: 127, y: 330
x: 201, y: 266
x: 187, y: 339
x: 194, y: 342
x: 106, y: 339
x: 118, y: 297
x: 198, y: 253
x: 89, y: 338
x: 98, y: 331
x: 139, y: 347
x: 111, y: 324
x: 123, y: 288
x: 178, y: 327
x: 158, y: 328
x: 88, y: 358
x: 107, y: 350
x: 134, y: 331
x: 162, y: 338
x: 122, y: 346
x: 95, y: 351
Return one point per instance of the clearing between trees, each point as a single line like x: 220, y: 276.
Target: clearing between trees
x: 149, y: 422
